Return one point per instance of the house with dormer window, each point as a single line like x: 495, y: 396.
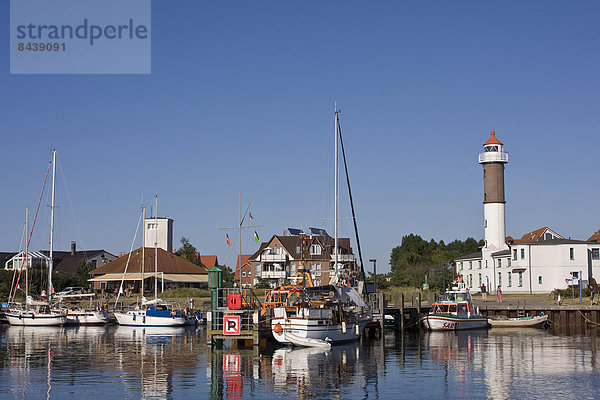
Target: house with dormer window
x: 282, y: 256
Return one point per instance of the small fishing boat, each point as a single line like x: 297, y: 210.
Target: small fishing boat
x: 455, y: 311
x: 537, y: 321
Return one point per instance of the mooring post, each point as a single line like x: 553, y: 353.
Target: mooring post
x: 380, y: 301
x: 419, y: 306
x: 402, y: 311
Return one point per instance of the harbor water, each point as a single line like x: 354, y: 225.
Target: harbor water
x: 115, y: 362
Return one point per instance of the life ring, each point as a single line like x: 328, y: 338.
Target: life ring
x: 278, y: 329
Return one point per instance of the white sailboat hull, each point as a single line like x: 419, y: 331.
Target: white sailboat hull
x: 139, y: 318
x: 83, y: 317
x: 31, y: 318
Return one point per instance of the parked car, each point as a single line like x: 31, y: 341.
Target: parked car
x: 70, y: 290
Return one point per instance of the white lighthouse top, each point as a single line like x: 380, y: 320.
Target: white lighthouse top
x: 494, y: 151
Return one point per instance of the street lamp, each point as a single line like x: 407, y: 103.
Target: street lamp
x: 374, y: 261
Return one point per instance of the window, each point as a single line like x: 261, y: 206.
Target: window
x: 572, y: 253
x: 509, y: 280
x: 499, y: 279
x: 315, y: 268
x: 479, y: 266
x: 470, y: 280
x: 459, y: 266
x: 243, y: 274
x: 94, y: 263
x: 540, y: 281
x: 486, y: 263
x: 470, y: 264
x: 514, y: 254
x: 485, y: 223
x: 491, y: 148
x: 499, y: 263
x: 479, y: 280
x: 292, y: 269
x: 318, y: 282
x: 520, y: 279
x: 298, y: 249
x: 595, y: 254
x: 522, y: 254
x: 315, y: 249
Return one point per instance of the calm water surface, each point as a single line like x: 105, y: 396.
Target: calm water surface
x: 157, y: 363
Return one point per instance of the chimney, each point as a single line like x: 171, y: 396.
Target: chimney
x: 73, y: 248
x: 285, y: 232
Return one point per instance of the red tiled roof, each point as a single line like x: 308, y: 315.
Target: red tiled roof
x: 492, y: 139
x: 167, y: 263
x: 536, y: 236
x: 209, y: 261
x: 595, y: 237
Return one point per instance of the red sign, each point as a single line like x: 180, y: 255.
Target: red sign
x: 231, y: 325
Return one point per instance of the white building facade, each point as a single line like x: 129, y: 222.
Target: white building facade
x: 159, y: 232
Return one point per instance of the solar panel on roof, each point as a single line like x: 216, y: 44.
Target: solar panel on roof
x: 295, y: 232
x: 318, y: 231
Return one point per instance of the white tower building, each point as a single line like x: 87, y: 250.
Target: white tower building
x: 493, y: 159
x: 159, y: 232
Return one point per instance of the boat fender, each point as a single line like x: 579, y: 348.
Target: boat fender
x: 32, y: 315
x: 20, y: 316
x: 144, y: 319
x: 134, y: 317
x: 357, y: 329
x: 343, y: 326
x: 278, y: 329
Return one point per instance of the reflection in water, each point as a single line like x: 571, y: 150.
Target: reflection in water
x: 164, y: 363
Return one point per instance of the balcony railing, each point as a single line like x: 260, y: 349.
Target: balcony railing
x: 273, y: 274
x: 493, y: 156
x: 273, y: 257
x: 343, y: 257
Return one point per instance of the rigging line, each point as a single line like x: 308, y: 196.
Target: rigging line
x: 129, y: 258
x: 71, y: 208
x: 362, y: 268
x: 23, y: 235
x: 31, y: 232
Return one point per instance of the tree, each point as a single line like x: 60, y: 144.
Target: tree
x: 188, y: 252
x: 228, y: 276
x: 82, y: 274
x: 415, y: 258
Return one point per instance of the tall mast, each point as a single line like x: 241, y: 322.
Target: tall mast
x: 240, y: 240
x: 51, y: 226
x: 143, y: 245
x: 336, y: 200
x: 26, y: 254
x: 155, y: 247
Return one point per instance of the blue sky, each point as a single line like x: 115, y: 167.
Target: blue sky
x: 241, y: 98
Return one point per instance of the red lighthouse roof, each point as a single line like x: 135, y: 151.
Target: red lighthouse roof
x: 492, y: 140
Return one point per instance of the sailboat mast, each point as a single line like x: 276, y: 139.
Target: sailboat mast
x: 336, y: 195
x: 240, y: 239
x: 26, y: 254
x: 155, y: 247
x: 143, y: 245
x: 51, y: 225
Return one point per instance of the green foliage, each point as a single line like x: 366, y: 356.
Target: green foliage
x: 262, y: 284
x: 568, y: 293
x: 180, y: 293
x: 415, y: 258
x: 82, y: 274
x: 188, y: 252
x: 228, y: 276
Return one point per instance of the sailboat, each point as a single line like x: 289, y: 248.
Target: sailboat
x: 39, y: 313
x: 154, y: 312
x: 328, y: 314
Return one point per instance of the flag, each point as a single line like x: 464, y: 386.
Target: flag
x: 256, y: 237
x: 251, y: 217
x: 228, y: 241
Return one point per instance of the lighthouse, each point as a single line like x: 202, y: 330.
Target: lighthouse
x: 493, y: 159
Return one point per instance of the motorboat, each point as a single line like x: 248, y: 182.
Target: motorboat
x: 455, y: 311
x: 537, y: 321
